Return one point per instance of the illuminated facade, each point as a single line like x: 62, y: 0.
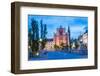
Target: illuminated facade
x: 61, y: 37
x: 84, y: 39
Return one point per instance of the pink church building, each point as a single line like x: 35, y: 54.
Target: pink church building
x: 61, y: 37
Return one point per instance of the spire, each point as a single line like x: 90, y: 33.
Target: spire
x: 69, y: 32
x: 60, y: 26
x: 68, y: 29
x: 41, y: 23
x: 69, y: 37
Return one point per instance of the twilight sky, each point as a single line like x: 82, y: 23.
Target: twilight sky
x: 77, y: 24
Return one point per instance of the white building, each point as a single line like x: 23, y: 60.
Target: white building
x: 84, y: 39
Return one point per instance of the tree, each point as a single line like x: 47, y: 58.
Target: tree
x: 86, y: 29
x: 62, y: 46
x: 30, y: 37
x: 56, y: 47
x: 76, y: 44
x: 35, y: 36
x: 43, y: 34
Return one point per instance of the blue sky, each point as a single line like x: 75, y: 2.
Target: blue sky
x: 77, y: 24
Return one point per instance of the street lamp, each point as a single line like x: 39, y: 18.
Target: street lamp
x: 40, y: 40
x: 37, y: 53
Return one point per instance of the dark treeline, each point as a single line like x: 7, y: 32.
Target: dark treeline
x: 37, y: 36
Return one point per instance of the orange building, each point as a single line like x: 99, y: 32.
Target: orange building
x: 61, y: 37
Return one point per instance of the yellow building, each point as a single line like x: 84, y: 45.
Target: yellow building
x: 49, y: 45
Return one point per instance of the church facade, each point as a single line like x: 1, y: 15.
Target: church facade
x: 60, y: 38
